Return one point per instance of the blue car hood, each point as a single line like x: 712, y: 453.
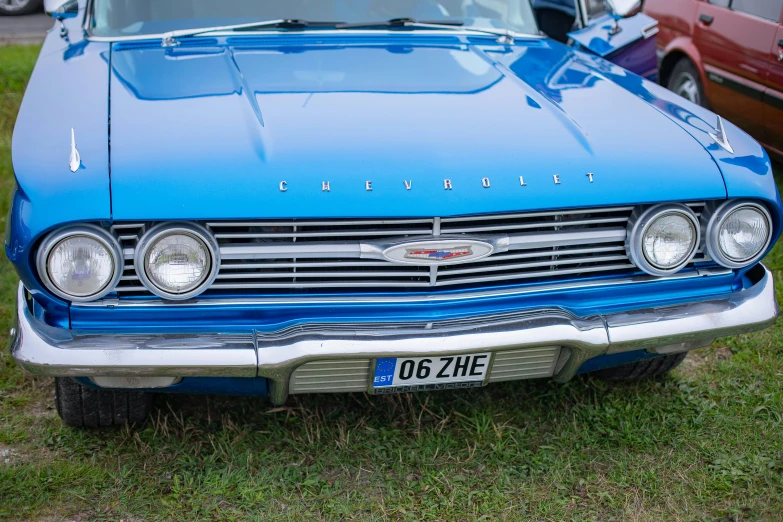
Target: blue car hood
x: 372, y: 126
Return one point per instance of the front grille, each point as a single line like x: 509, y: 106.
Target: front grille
x: 303, y: 255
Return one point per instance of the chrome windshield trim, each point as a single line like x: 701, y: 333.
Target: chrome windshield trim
x: 478, y: 31
x: 303, y: 299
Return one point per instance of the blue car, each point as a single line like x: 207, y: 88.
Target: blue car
x: 284, y: 197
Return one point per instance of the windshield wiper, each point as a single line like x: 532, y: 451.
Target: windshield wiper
x: 400, y: 22
x: 169, y: 39
x: 504, y: 36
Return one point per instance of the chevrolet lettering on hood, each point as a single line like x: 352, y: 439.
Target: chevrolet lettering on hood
x: 372, y: 197
x: 326, y: 186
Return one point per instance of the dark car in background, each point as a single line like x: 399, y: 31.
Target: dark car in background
x: 726, y: 55
x: 20, y: 7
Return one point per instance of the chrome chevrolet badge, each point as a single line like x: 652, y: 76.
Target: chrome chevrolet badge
x: 442, y: 254
x: 438, y: 251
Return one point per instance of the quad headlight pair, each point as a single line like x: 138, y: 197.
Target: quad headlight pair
x: 180, y: 260
x: 663, y: 239
x: 84, y: 263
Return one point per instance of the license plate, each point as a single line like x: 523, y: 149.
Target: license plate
x: 407, y: 374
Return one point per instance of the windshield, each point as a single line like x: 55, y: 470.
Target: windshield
x: 144, y: 17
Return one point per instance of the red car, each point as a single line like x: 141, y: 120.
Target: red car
x: 726, y: 55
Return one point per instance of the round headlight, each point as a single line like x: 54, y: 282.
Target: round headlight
x: 669, y: 240
x: 177, y: 261
x: 80, y: 263
x: 662, y: 239
x: 738, y: 233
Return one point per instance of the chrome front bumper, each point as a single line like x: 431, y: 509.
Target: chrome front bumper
x: 44, y: 350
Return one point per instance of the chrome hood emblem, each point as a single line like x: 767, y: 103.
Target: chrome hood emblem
x: 439, y: 251
x: 75, y: 160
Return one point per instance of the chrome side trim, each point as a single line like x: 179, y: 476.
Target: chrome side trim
x: 276, y: 301
x: 648, y: 31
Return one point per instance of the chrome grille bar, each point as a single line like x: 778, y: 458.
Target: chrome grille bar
x: 279, y: 255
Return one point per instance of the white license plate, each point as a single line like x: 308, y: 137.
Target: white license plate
x: 404, y: 374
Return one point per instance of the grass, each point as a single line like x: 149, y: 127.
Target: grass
x: 703, y: 444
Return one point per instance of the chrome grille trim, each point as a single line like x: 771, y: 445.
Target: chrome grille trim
x: 336, y: 376
x: 528, y: 226
x: 527, y: 215
x: 331, y: 377
x: 530, y: 363
x: 429, y: 298
x: 279, y: 254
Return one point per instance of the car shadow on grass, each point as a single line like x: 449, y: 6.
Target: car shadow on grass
x: 520, y: 404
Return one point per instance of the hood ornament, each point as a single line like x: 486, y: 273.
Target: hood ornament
x: 76, y: 159
x: 720, y: 137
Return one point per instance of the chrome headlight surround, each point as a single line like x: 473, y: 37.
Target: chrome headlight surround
x: 639, y: 224
x: 717, y: 215
x: 94, y: 232
x: 163, y: 230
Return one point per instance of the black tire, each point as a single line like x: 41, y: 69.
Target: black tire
x: 685, y: 81
x: 83, y: 407
x: 646, y: 369
x: 20, y: 8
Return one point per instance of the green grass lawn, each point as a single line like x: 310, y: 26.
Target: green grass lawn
x: 704, y: 444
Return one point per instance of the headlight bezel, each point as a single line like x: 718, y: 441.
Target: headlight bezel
x: 94, y: 232
x: 640, y: 223
x: 717, y: 217
x: 163, y: 230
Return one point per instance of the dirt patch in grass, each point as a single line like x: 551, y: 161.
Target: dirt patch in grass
x: 7, y: 455
x: 699, y: 361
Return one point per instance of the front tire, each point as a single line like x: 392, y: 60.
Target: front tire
x: 646, y: 369
x: 82, y: 407
x: 685, y: 81
x: 20, y: 7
